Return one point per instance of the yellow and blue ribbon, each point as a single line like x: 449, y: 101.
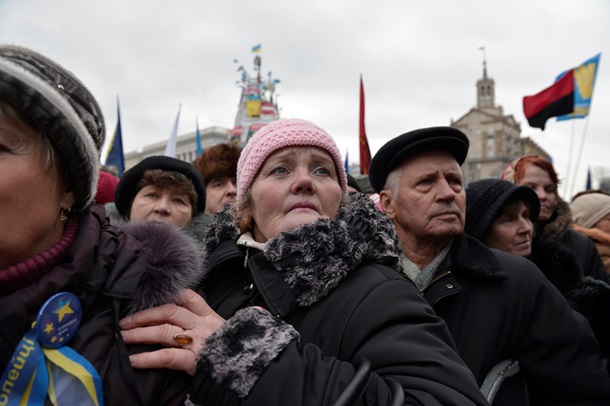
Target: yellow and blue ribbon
x: 43, y: 366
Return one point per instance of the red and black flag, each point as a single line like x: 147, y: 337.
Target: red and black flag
x: 553, y: 101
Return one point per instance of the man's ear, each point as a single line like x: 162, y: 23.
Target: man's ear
x: 386, y: 201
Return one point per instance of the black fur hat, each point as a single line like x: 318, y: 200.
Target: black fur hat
x: 218, y: 161
x: 127, y: 189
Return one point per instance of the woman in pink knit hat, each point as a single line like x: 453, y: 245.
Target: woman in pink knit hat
x: 304, y: 300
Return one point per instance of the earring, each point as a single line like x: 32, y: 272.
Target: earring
x: 64, y: 215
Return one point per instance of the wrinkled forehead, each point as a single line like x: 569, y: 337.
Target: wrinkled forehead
x: 432, y: 161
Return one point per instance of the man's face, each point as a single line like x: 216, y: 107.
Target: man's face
x: 430, y: 204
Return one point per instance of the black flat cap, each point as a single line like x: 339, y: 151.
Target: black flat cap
x: 485, y: 200
x: 395, y: 151
x: 127, y: 189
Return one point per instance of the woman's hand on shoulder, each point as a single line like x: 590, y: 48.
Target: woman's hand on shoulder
x: 183, y: 329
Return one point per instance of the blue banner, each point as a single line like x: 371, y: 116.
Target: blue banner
x: 115, y: 155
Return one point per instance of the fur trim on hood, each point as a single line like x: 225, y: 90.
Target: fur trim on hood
x: 316, y: 257
x: 559, y: 224
x: 172, y: 261
x: 198, y: 225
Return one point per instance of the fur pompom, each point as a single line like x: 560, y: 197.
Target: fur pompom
x: 173, y: 263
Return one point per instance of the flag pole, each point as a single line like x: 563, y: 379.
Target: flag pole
x: 582, y: 143
x: 568, y: 177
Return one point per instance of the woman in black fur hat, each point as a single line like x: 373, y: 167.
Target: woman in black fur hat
x: 161, y: 189
x: 305, y: 304
x: 503, y: 216
x: 66, y: 274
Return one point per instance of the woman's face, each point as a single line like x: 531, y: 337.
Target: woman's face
x: 295, y: 186
x: 153, y: 203
x: 512, y: 231
x: 539, y: 180
x: 32, y: 195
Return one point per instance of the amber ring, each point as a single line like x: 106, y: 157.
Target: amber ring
x: 183, y: 338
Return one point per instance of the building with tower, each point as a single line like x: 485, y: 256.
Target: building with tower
x: 495, y: 137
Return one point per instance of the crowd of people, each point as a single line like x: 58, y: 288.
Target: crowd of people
x: 269, y: 276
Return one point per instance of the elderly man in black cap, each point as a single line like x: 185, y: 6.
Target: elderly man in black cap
x: 497, y: 305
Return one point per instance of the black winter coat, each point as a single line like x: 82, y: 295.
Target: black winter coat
x: 112, y: 271
x: 559, y: 228
x: 334, y: 297
x: 587, y: 295
x: 499, y: 306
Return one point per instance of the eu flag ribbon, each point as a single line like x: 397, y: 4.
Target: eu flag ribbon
x: 42, y: 365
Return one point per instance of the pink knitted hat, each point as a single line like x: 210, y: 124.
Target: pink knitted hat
x: 279, y: 134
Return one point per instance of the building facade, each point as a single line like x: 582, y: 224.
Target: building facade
x: 186, y: 146
x: 495, y: 137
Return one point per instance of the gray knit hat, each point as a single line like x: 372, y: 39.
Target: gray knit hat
x: 59, y: 104
x: 590, y: 208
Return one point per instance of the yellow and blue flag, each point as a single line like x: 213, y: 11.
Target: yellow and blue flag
x: 584, y: 81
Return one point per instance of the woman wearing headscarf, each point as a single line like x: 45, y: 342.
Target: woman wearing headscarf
x: 66, y: 275
x: 304, y: 300
x: 591, y: 214
x: 502, y: 216
x: 555, y: 217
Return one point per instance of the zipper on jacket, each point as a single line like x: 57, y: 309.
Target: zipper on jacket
x: 268, y: 303
x: 246, y: 257
x: 434, y: 280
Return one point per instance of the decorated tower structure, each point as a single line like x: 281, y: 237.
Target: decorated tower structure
x: 257, y: 104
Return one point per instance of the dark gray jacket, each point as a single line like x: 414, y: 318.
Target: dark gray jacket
x: 333, y: 297
x: 500, y: 306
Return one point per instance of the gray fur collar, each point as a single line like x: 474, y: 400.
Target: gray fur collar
x: 316, y: 257
x: 171, y: 261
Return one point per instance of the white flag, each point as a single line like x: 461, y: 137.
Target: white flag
x: 170, y: 149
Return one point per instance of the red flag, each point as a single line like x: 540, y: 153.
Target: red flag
x: 365, y: 152
x: 553, y: 101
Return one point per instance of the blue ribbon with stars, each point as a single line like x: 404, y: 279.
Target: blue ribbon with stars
x: 43, y: 366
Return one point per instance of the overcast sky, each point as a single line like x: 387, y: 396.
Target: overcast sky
x: 419, y: 60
